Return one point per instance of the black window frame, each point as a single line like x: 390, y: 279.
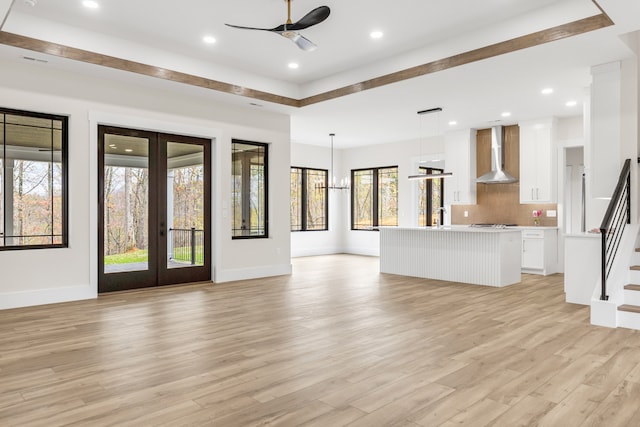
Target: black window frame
x: 374, y: 197
x: 304, y: 199
x: 429, y: 196
x: 265, y: 146
x: 64, y: 163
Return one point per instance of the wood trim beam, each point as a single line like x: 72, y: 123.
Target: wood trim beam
x: 523, y: 42
x: 89, y: 57
x: 530, y: 40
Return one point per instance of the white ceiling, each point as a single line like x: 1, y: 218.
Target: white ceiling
x: 169, y: 34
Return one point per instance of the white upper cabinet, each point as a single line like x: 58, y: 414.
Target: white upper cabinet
x: 460, y: 159
x: 538, y: 162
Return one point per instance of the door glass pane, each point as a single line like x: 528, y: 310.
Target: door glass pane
x: 126, y: 203
x: 185, y: 205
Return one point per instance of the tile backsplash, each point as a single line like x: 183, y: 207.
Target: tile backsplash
x: 500, y: 204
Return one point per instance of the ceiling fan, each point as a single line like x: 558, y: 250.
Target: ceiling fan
x: 290, y: 29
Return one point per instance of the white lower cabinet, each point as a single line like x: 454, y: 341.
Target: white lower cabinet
x: 539, y: 251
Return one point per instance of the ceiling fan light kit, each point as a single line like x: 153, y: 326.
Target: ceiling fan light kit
x: 290, y: 29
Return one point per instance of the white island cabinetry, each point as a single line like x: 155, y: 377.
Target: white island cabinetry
x: 489, y: 257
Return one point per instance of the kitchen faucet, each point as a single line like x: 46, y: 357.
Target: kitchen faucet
x: 444, y: 211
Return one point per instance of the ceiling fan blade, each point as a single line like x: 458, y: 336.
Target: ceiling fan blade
x: 301, y: 41
x: 251, y: 28
x: 314, y: 17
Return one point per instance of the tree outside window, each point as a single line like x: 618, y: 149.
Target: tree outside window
x: 33, y: 180
x: 430, y: 198
x: 309, y: 199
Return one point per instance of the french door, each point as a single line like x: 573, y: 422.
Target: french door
x: 154, y: 208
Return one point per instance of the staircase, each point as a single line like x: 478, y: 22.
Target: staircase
x: 629, y: 312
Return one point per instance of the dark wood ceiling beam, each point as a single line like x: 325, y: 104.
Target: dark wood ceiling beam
x: 86, y: 56
x: 530, y: 40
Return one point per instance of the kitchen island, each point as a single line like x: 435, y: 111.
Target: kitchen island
x: 480, y: 256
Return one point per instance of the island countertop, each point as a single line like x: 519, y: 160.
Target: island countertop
x: 481, y: 256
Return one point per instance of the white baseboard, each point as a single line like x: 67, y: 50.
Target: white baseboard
x: 373, y: 251
x: 314, y: 252
x: 222, y: 276
x: 46, y: 296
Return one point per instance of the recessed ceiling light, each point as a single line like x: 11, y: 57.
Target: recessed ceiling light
x: 453, y: 123
x: 90, y: 4
x: 376, y: 34
x: 294, y: 65
x: 506, y: 114
x: 547, y: 91
x: 571, y: 103
x: 128, y: 150
x: 113, y: 146
x: 209, y: 39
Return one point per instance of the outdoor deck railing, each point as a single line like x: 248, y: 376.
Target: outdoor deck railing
x: 186, y: 245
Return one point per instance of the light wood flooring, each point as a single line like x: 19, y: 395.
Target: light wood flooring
x: 334, y: 344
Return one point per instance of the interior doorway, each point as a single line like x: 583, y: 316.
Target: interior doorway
x: 154, y: 209
x: 574, y: 190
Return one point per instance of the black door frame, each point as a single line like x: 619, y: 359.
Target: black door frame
x: 157, y: 274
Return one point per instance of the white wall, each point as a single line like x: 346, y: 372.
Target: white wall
x: 305, y: 243
x: 31, y: 277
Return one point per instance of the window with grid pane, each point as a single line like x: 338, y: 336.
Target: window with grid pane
x: 249, y: 189
x: 374, y: 198
x: 309, y: 199
x: 33, y: 180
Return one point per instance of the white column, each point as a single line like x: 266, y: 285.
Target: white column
x: 605, y: 129
x: 613, y: 135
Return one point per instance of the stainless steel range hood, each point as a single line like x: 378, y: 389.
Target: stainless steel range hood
x: 497, y: 174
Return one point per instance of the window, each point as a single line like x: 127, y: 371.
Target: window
x: 374, y: 198
x: 430, y: 199
x: 249, y: 189
x: 309, y: 199
x: 33, y: 180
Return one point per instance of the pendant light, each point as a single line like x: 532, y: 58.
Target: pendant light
x: 344, y: 182
x: 429, y: 175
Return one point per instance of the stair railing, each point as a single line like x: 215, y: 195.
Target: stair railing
x: 617, y: 216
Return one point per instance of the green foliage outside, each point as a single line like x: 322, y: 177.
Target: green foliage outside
x: 181, y: 254
x: 130, y: 257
